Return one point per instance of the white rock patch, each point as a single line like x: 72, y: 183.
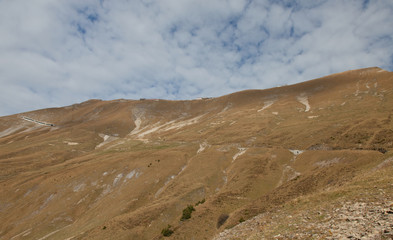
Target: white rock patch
x: 10, y: 130
x: 47, y: 201
x: 241, y: 152
x: 27, y: 193
x: 327, y: 162
x: 50, y: 234
x: 137, y: 128
x: 107, y: 139
x: 304, y: 100
x: 117, y: 179
x: 71, y: 143
x: 184, y: 123
x: 79, y: 187
x: 385, y: 163
x: 288, y: 174
x: 225, y: 177
x: 106, y: 190
x: 226, y: 108
x: 163, y: 187
x: 134, y: 173
x: 266, y: 105
x: 23, y: 234
x: 357, y: 89
x: 295, y: 153
x: 131, y: 174
x: 155, y: 127
x: 82, y: 200
x: 168, y: 181
x: 202, y: 147
x: 174, y: 124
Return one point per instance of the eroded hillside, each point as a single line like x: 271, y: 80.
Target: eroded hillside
x: 125, y: 169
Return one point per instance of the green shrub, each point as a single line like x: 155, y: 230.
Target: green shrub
x: 241, y: 220
x: 187, y: 212
x: 200, y: 202
x: 166, y: 232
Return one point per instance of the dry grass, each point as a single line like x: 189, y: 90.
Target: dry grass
x: 74, y: 190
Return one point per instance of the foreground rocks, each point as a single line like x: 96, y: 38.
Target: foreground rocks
x: 360, y: 221
x: 353, y: 220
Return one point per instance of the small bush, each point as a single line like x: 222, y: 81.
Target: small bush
x: 222, y: 219
x: 200, y: 202
x: 241, y: 220
x: 382, y: 150
x: 104, y: 227
x: 166, y: 232
x: 187, y: 212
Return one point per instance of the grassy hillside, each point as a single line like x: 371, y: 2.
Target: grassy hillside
x: 273, y: 161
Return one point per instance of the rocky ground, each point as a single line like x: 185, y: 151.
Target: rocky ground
x: 365, y: 215
x: 353, y: 220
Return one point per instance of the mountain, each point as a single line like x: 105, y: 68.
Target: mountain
x: 295, y: 161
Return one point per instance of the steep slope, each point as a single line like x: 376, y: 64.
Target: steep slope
x: 125, y: 169
x: 360, y: 209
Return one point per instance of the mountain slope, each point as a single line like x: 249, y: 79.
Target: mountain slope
x: 125, y: 169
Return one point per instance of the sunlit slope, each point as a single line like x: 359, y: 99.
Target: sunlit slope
x: 125, y: 169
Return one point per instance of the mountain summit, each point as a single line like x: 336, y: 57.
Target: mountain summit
x: 310, y: 160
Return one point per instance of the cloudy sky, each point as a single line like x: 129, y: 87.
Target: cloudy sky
x: 59, y: 52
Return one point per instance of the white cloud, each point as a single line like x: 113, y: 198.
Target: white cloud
x: 55, y: 53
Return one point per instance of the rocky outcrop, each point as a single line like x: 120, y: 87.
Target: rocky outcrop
x: 353, y: 220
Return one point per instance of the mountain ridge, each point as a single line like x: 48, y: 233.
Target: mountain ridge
x: 125, y: 169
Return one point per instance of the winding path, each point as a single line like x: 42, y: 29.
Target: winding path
x: 38, y: 122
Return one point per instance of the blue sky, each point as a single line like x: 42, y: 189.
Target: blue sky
x: 57, y: 53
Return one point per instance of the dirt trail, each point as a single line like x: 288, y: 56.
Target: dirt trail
x: 37, y: 122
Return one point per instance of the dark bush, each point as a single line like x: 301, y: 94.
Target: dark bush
x: 166, y: 232
x: 200, y: 202
x: 187, y: 212
x: 222, y: 219
x: 382, y: 150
